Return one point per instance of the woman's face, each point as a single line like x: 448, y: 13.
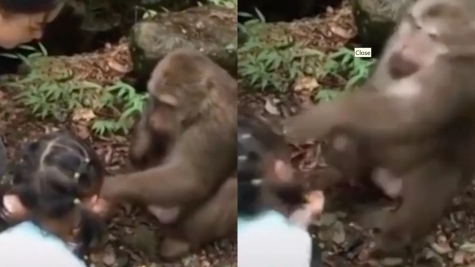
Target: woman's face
x: 17, y: 29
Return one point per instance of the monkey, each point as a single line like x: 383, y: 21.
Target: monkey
x: 184, y: 148
x: 270, y: 196
x: 407, y: 50
x: 419, y: 127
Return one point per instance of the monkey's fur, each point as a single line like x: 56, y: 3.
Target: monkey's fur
x: 184, y: 146
x: 420, y: 127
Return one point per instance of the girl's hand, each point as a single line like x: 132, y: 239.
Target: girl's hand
x: 305, y: 215
x: 316, y: 202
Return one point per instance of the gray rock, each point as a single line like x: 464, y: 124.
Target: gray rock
x: 209, y: 29
x: 375, y: 20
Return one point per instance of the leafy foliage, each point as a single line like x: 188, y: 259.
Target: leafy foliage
x: 270, y: 65
x: 225, y: 3
x: 275, y: 66
x: 59, y: 97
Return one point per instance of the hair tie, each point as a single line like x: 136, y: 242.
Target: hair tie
x: 256, y: 182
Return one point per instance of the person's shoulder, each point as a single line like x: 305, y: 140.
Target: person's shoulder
x: 41, y: 249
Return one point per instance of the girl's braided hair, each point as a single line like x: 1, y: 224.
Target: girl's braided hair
x: 52, y: 177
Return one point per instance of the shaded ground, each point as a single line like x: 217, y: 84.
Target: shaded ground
x: 133, y: 238
x: 341, y: 240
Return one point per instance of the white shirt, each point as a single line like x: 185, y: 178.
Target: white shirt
x: 270, y: 240
x: 26, y: 245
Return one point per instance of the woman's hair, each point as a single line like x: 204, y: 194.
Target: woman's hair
x: 257, y: 145
x: 53, y: 175
x: 28, y: 6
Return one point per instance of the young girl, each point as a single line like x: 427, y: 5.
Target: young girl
x: 55, y: 184
x: 273, y: 210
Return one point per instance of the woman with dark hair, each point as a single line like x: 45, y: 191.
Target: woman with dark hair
x: 22, y: 21
x: 49, y: 205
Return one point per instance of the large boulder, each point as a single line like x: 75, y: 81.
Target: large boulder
x: 209, y: 29
x: 375, y: 20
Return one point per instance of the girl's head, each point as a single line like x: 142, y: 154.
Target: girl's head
x: 22, y: 21
x: 57, y: 181
x: 263, y: 164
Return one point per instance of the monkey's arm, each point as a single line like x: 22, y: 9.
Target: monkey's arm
x: 167, y: 185
x: 382, y: 114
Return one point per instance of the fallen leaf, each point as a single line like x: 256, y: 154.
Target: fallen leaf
x: 113, y: 64
x: 442, y: 248
x: 460, y: 257
x: 305, y: 84
x: 326, y: 219
x: 469, y: 247
x: 340, y: 31
x: 83, y: 114
x: 109, y: 255
x: 338, y: 232
x: 270, y: 107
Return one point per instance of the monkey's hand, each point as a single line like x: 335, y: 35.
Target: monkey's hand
x: 102, y: 207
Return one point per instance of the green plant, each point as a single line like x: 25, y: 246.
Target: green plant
x: 355, y: 69
x: 270, y: 65
x: 131, y: 103
x: 45, y: 97
x: 343, y: 63
x: 33, y: 53
x: 225, y: 3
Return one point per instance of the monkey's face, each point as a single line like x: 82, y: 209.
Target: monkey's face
x: 162, y: 117
x: 418, y: 41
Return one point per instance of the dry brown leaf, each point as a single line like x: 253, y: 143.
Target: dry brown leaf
x: 113, y: 64
x: 340, y: 31
x: 306, y: 83
x: 108, y: 257
x: 460, y: 257
x: 270, y: 107
x: 441, y: 248
x: 83, y: 114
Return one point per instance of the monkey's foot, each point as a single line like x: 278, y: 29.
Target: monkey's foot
x: 174, y: 248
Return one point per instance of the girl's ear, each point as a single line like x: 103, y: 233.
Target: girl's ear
x: 283, y: 170
x: 90, y: 202
x: 14, y: 207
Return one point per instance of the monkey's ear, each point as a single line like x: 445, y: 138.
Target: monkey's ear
x: 283, y: 171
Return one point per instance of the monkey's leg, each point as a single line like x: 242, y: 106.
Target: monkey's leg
x: 348, y: 156
x: 386, y: 181
x: 140, y: 145
x: 427, y: 192
x: 215, y: 219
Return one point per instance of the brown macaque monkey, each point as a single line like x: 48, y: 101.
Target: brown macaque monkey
x: 420, y: 128
x: 416, y: 42
x: 184, y: 147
